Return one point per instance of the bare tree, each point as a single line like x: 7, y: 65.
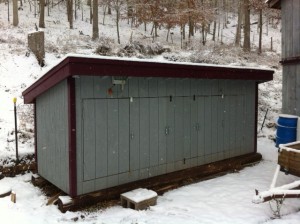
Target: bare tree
x: 239, y: 24
x: 15, y: 13
x: 70, y: 12
x: 42, y: 14
x: 95, y: 20
x: 117, y: 5
x: 246, y: 46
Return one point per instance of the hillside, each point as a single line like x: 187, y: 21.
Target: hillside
x: 19, y: 69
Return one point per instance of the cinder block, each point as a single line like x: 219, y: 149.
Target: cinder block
x: 138, y: 199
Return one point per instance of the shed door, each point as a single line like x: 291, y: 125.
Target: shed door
x: 105, y: 137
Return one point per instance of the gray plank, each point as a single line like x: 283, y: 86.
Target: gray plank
x: 208, y: 128
x: 187, y: 128
x: 153, y: 87
x: 227, y: 127
x: 171, y: 87
x: 89, y: 142
x: 113, y: 137
x: 163, y: 101
x: 296, y: 28
x: 179, y: 128
x: 123, y: 135
x: 79, y: 149
x: 285, y: 98
x: 133, y: 87
x: 123, y: 91
x: 250, y: 118
x: 143, y: 87
x: 171, y: 130
x: 202, y: 121
x: 214, y: 124
x: 162, y: 87
x: 205, y: 87
x: 134, y: 135
x: 186, y: 87
x: 194, y: 124
x: 87, y: 86
x: 100, y: 121
x: 194, y: 86
x: 144, y: 133
x: 232, y: 128
x: 239, y: 125
x: 154, y: 131
x: 220, y: 130
x: 298, y: 90
x: 101, y: 85
x: 215, y: 87
x: 179, y: 87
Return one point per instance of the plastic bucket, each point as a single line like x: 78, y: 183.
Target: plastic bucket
x: 286, y: 129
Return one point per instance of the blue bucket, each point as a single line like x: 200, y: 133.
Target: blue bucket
x: 286, y: 129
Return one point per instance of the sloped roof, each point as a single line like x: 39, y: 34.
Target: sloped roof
x: 78, y: 65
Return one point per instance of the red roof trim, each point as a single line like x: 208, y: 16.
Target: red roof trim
x: 109, y: 67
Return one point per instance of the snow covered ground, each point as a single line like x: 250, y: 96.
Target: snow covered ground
x: 226, y: 199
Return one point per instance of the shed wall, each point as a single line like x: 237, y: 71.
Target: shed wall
x: 291, y: 89
x: 290, y: 49
x: 290, y: 28
x: 158, y: 125
x: 52, y: 135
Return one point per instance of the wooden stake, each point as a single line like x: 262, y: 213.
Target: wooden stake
x: 13, y: 197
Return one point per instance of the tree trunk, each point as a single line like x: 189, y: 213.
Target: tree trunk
x: 239, y: 25
x: 246, y: 46
x: 42, y: 14
x: 15, y: 13
x: 117, y: 23
x: 260, y: 31
x: 70, y: 12
x: 95, y: 20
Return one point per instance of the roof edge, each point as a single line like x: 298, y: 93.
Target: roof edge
x: 104, y: 66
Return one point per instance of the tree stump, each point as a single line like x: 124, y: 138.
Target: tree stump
x: 36, y: 43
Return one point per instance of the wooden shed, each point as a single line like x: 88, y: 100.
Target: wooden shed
x: 290, y: 13
x: 103, y: 122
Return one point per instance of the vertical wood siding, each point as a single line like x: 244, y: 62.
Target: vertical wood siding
x: 291, y: 48
x: 52, y: 135
x: 290, y: 28
x: 291, y: 89
x: 169, y: 124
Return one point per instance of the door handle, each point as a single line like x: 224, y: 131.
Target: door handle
x: 131, y: 136
x: 167, y: 130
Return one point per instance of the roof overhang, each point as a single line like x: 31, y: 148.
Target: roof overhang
x: 275, y: 4
x: 75, y: 65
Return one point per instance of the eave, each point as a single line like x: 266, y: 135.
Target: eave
x: 105, y: 66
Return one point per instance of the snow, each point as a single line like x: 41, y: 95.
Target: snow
x: 288, y: 147
x: 140, y: 194
x: 226, y: 199
x: 65, y: 200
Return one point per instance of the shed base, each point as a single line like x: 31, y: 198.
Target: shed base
x: 163, y: 183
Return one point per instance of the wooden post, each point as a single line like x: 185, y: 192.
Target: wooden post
x: 13, y: 197
x: 16, y: 129
x: 271, y: 43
